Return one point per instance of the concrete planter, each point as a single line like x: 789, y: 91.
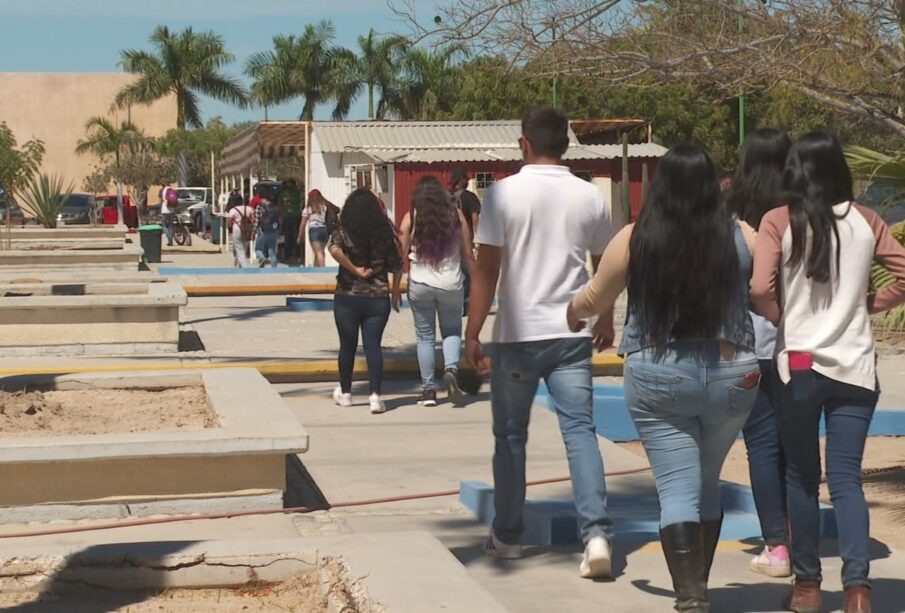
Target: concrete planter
x: 126, y: 258
x: 66, y: 233
x: 239, y: 465
x: 106, y: 319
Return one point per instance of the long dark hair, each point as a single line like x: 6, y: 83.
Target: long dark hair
x: 817, y: 178
x: 757, y: 186
x: 437, y: 230
x: 683, y: 265
x: 368, y: 228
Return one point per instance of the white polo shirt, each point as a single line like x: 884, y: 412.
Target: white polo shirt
x: 545, y: 220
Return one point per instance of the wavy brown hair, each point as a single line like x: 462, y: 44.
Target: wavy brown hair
x: 437, y: 230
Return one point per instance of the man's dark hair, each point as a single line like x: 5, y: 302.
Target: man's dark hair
x: 547, y: 130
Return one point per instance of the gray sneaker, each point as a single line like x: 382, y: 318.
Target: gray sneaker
x: 451, y: 380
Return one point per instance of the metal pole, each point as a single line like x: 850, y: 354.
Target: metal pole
x: 741, y: 96
x: 555, y: 75
x: 626, y: 194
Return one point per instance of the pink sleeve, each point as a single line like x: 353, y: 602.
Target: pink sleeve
x: 765, y: 298
x: 891, y: 255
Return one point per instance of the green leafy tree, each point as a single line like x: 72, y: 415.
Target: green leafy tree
x: 428, y: 85
x: 17, y: 164
x: 107, y: 141
x: 309, y: 66
x: 378, y: 68
x: 184, y: 65
x: 197, y: 146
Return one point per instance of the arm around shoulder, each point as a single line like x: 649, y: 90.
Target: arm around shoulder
x: 765, y: 298
x: 601, y: 293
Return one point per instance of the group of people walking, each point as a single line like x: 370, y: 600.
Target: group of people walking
x: 258, y: 225
x: 748, y: 311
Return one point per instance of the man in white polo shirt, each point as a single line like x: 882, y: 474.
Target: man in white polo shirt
x: 536, y: 230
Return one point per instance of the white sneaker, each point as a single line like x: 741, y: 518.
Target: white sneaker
x: 377, y: 405
x: 342, y: 400
x: 496, y: 548
x: 598, y: 559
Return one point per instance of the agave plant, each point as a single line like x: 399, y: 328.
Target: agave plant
x: 45, y: 195
x: 874, y: 166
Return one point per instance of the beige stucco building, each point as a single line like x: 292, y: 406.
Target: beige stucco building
x: 54, y: 107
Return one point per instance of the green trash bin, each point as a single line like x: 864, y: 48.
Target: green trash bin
x: 151, y: 240
x: 216, y: 222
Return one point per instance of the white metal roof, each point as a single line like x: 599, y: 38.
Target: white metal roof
x: 508, y: 154
x: 337, y: 137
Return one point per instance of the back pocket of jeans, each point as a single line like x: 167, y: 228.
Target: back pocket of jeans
x: 654, y: 388
x: 741, y: 399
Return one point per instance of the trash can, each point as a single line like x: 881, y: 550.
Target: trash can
x: 216, y: 221
x: 151, y: 242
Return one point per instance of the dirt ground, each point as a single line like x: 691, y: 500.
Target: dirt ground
x: 884, y: 483
x: 298, y: 595
x: 60, y: 413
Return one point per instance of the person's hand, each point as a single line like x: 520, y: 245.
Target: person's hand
x: 603, y: 333
x: 363, y: 272
x: 396, y: 300
x: 575, y: 324
x: 474, y: 351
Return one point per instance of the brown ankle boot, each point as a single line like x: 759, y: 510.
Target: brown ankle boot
x: 857, y: 599
x: 805, y: 597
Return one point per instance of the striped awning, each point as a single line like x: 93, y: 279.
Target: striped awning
x: 268, y: 140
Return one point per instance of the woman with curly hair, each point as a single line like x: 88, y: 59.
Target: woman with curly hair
x: 364, y: 245
x: 436, y: 238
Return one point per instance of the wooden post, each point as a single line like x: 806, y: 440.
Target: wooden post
x: 626, y: 194
x: 644, y: 181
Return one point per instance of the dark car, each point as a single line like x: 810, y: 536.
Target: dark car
x: 17, y: 217
x: 79, y: 209
x: 271, y: 188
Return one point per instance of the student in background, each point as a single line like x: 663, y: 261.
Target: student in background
x: 756, y: 190
x: 812, y: 279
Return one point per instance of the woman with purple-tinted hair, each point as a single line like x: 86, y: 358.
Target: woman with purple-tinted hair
x: 436, y: 238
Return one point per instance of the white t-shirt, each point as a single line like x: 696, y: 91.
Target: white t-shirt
x: 545, y: 220
x: 315, y: 219
x: 236, y: 214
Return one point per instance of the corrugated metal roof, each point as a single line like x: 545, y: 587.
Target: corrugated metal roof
x: 507, y: 154
x: 336, y: 137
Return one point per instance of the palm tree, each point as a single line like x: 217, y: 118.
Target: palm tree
x: 379, y: 64
x: 428, y: 84
x: 104, y: 139
x: 184, y: 64
x: 308, y: 66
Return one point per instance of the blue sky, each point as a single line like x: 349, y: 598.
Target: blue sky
x: 87, y: 35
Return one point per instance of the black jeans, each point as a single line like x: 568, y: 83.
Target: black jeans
x: 370, y: 315
x: 848, y: 410
x: 766, y: 460
x: 291, y: 247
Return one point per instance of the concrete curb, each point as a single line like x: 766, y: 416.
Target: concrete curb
x: 301, y: 371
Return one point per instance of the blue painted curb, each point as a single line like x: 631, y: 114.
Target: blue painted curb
x: 173, y: 271
x: 306, y: 304
x: 635, y: 518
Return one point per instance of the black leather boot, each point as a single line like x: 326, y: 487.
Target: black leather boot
x: 683, y: 546
x: 711, y: 532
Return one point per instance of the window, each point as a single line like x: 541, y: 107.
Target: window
x: 363, y: 178
x: 583, y: 174
x: 483, y: 180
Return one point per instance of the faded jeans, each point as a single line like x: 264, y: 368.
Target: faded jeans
x: 688, y: 406
x: 239, y: 246
x: 428, y: 304
x: 848, y: 410
x: 266, y: 247
x: 166, y: 220
x: 565, y: 365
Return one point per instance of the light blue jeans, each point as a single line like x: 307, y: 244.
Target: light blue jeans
x: 689, y: 406
x: 565, y: 365
x: 428, y: 304
x: 266, y: 247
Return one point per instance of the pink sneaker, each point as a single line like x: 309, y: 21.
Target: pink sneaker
x: 772, y: 562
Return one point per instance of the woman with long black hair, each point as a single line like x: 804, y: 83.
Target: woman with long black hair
x: 757, y: 189
x: 812, y: 279
x: 364, y: 245
x: 436, y: 238
x: 691, y: 374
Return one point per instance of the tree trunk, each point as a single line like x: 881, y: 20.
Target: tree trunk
x: 370, y: 101
x: 119, y: 203
x: 182, y: 169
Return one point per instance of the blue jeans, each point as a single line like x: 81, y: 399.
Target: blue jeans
x: 688, y: 406
x: 369, y: 315
x: 266, y: 247
x: 766, y: 461
x: 428, y: 303
x: 848, y: 410
x: 565, y: 365
x: 166, y: 220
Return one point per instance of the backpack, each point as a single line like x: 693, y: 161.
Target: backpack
x: 171, y: 195
x: 246, y: 226
x: 331, y: 217
x: 270, y: 217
